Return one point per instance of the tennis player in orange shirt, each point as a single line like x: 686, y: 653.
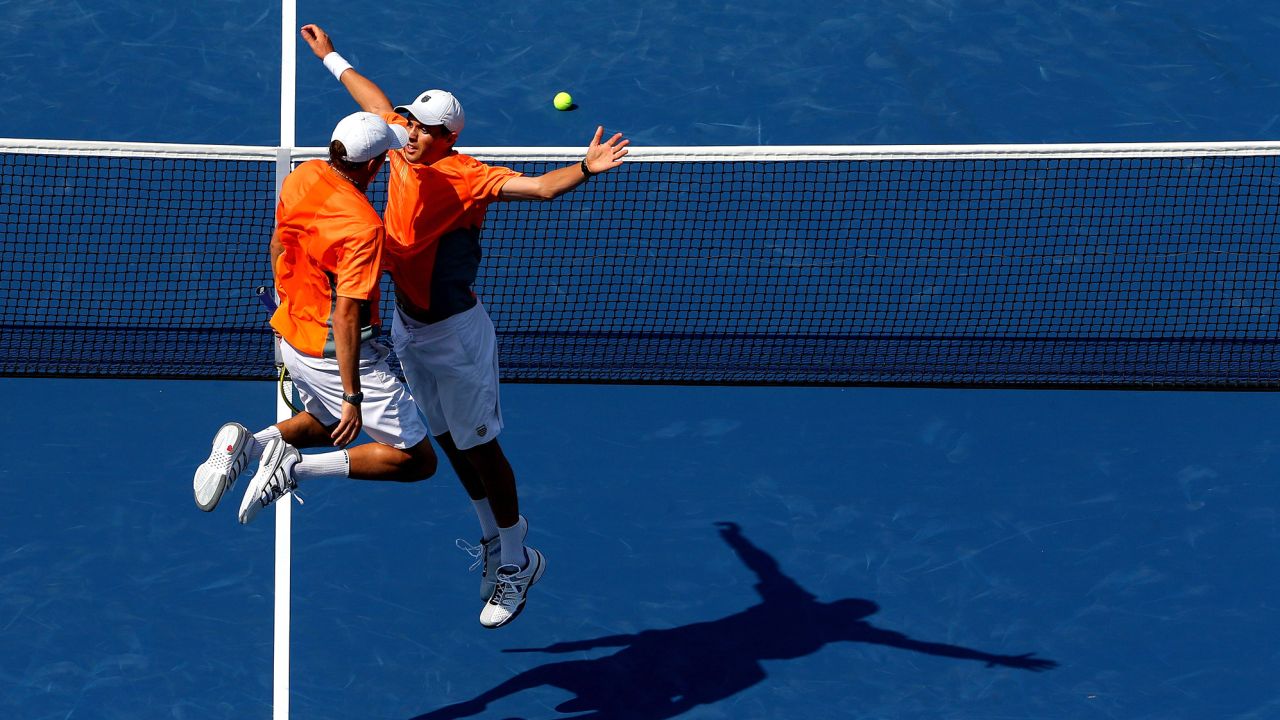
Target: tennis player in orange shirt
x: 326, y: 256
x: 436, y: 203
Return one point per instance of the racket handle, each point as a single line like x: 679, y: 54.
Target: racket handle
x: 267, y: 297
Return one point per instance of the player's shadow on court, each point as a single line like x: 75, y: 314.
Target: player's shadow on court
x: 663, y: 673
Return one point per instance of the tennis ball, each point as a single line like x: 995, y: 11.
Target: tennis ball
x: 562, y: 101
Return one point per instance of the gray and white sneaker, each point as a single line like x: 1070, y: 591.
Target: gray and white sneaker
x: 510, y: 590
x: 275, y: 478
x: 229, y: 456
x: 487, y: 556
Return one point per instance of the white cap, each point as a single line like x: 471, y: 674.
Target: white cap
x: 436, y: 107
x: 366, y: 136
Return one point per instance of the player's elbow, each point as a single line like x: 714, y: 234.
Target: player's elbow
x: 539, y: 189
x: 377, y: 106
x: 544, y: 188
x: 546, y: 191
x: 346, y: 315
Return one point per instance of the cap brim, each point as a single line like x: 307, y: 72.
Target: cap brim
x: 400, y: 136
x: 407, y: 110
x: 435, y: 120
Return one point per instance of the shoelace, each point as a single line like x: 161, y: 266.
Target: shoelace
x: 508, y: 586
x: 277, y: 488
x: 266, y: 500
x: 475, y: 551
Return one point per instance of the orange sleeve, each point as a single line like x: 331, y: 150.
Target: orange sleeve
x: 487, y: 180
x: 360, y: 264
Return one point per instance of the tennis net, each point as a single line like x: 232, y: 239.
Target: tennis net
x: 1147, y: 266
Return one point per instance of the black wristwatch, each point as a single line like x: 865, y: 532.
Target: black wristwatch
x: 354, y: 398
x: 586, y: 171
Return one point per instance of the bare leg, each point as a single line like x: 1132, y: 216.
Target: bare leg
x: 499, y: 481
x: 466, y: 472
x: 370, y: 461
x: 375, y: 461
x: 485, y: 472
x: 304, y: 431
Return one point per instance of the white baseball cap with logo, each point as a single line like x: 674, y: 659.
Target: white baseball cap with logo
x: 366, y: 136
x: 436, y: 107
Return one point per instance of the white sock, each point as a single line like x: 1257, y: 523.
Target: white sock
x: 488, y: 523
x: 334, y: 464
x: 260, y: 440
x: 513, y: 544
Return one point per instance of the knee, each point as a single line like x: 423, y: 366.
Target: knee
x: 422, y: 462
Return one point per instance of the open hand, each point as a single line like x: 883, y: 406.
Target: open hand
x: 605, y: 156
x: 349, y: 426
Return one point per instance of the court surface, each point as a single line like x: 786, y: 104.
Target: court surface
x: 713, y: 553
x: 738, y: 72
x: 726, y: 553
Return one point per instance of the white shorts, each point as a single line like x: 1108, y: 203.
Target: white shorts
x: 452, y: 369
x: 388, y: 412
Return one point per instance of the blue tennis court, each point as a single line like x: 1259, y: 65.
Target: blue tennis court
x: 713, y: 552
x: 899, y: 553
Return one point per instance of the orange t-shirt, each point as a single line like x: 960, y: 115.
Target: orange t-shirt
x: 333, y: 240
x: 424, y: 202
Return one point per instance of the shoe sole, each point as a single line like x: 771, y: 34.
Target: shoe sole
x: 537, y: 575
x: 213, y: 482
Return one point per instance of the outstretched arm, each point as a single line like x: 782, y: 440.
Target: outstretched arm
x: 1026, y: 661
x: 601, y: 157
x: 364, y: 91
x: 773, y: 585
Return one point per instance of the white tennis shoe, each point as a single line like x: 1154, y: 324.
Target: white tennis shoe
x: 275, y: 479
x: 510, y: 590
x: 229, y: 456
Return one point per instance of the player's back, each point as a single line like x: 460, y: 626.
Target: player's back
x: 332, y: 241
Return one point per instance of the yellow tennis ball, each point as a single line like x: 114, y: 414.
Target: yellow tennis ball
x: 562, y: 101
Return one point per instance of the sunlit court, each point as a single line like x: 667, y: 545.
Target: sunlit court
x: 964, y: 411
x: 898, y: 553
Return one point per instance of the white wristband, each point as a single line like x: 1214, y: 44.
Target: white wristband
x: 336, y: 64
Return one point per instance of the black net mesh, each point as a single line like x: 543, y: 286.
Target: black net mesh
x: 1089, y: 272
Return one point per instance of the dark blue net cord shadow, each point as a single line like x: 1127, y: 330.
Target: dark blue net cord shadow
x: 664, y: 673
